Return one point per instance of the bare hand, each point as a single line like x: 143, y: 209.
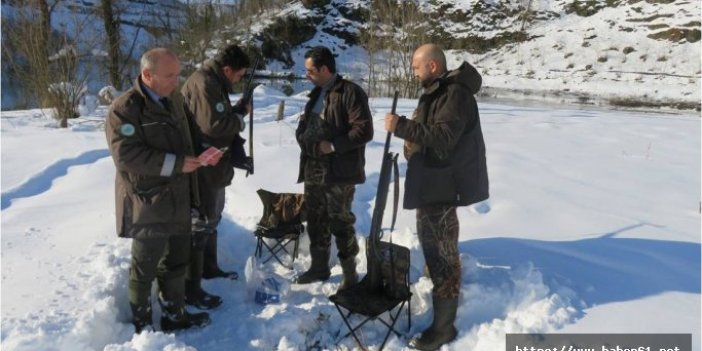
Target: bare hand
x: 191, y: 164
x: 391, y: 122
x: 215, y: 159
x: 325, y: 147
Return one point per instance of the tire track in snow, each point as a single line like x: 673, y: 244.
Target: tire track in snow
x: 42, y: 181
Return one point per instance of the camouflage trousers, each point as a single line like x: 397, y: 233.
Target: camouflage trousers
x: 329, y: 212
x: 437, y: 228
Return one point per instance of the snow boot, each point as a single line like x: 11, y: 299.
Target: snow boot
x: 442, y: 330
x: 176, y: 317
x: 348, y: 267
x: 194, y: 294
x: 210, y: 269
x: 141, y: 318
x: 319, y: 269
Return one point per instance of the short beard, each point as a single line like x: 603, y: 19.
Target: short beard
x: 426, y: 82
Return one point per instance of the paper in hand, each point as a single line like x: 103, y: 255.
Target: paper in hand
x: 207, y: 157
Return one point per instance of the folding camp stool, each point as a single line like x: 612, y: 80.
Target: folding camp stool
x: 281, y: 237
x: 280, y: 226
x: 360, y: 299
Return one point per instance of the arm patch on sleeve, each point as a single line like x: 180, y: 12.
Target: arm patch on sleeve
x: 127, y: 130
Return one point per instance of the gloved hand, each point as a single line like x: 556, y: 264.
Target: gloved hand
x: 246, y: 164
x: 242, y: 122
x: 238, y: 156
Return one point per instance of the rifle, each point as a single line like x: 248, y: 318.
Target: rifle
x: 249, y: 99
x: 373, y: 252
x: 242, y: 161
x: 248, y: 89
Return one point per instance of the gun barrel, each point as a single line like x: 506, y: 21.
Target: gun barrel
x: 374, y: 275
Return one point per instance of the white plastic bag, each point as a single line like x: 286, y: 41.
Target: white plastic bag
x: 264, y: 287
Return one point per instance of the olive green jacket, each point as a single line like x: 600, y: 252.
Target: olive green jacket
x: 148, y: 144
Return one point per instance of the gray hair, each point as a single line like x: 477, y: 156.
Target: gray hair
x: 149, y: 60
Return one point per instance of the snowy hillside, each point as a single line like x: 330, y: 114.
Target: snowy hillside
x: 598, y: 52
x: 593, y: 225
x: 630, y: 53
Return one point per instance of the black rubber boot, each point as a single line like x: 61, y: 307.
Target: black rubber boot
x: 141, y: 318
x: 319, y: 269
x: 176, y: 317
x: 348, y: 267
x: 441, y: 330
x: 194, y: 294
x: 210, y: 269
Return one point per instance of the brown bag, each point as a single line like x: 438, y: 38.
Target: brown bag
x: 394, y: 267
x: 281, y: 209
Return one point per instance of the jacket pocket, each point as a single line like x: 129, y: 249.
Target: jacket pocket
x: 425, y: 186
x: 438, y: 186
x: 152, y: 204
x: 347, y: 166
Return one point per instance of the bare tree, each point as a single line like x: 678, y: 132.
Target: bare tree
x: 26, y: 47
x: 52, y: 63
x: 395, y: 28
x: 112, y: 29
x: 202, y: 20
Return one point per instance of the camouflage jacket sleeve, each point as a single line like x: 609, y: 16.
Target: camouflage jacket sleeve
x: 307, y: 138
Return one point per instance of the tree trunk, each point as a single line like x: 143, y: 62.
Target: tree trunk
x: 41, y: 61
x: 113, y: 43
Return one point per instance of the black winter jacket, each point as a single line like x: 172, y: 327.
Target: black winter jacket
x: 348, y: 125
x: 446, y: 127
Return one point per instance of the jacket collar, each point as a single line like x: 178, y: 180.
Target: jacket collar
x: 214, y: 69
x: 435, y: 84
x: 337, y: 86
x: 149, y: 103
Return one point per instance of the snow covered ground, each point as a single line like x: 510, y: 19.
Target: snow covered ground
x: 593, y: 225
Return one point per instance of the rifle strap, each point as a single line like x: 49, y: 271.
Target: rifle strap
x: 395, y: 192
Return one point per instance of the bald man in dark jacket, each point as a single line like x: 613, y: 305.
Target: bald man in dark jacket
x: 447, y: 168
x: 150, y: 142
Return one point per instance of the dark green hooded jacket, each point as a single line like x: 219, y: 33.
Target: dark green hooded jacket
x: 446, y: 126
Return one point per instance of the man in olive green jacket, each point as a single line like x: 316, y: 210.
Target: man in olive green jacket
x: 150, y: 142
x: 206, y: 94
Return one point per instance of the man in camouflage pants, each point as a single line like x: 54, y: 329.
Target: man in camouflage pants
x: 332, y: 135
x: 446, y: 152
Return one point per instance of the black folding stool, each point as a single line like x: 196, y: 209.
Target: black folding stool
x: 281, y: 224
x: 392, y: 298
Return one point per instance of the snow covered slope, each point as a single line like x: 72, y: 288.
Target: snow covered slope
x: 616, y: 52
x: 593, y: 225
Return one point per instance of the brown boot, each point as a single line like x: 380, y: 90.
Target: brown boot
x: 319, y: 269
x: 441, y: 330
x: 348, y: 267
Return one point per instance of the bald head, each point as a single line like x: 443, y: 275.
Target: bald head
x: 150, y: 59
x: 431, y: 52
x: 160, y: 70
x: 428, y: 63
